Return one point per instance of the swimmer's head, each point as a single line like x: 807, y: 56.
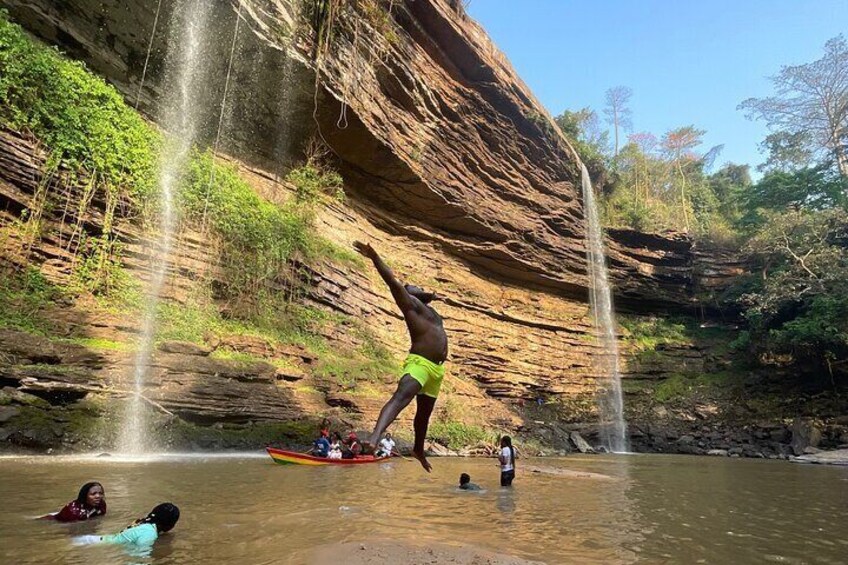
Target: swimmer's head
x: 464, y: 479
x: 164, y: 517
x: 91, y: 494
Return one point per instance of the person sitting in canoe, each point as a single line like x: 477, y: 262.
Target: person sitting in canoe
x: 143, y: 532
x: 90, y: 503
x: 424, y: 367
x: 335, y: 447
x: 320, y: 447
x: 351, y: 447
x: 324, y: 428
x: 387, y: 446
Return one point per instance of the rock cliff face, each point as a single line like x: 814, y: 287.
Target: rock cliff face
x: 438, y: 138
x: 452, y: 169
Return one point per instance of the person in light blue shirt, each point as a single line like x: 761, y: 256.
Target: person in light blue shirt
x: 142, y: 532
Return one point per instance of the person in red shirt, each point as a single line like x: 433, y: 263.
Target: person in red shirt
x: 352, y: 447
x: 90, y: 503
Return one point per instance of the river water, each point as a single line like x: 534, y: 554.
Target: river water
x: 581, y: 509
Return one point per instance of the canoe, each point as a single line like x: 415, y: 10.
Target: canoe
x: 293, y: 458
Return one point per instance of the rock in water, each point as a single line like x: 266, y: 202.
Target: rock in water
x: 804, y: 434
x: 581, y: 444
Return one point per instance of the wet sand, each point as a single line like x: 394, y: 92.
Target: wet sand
x: 564, y: 473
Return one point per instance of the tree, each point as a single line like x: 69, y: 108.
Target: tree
x: 798, y: 303
x: 729, y: 184
x: 617, y: 111
x: 678, y: 144
x: 590, y: 141
x: 810, y: 188
x: 786, y: 151
x: 811, y: 104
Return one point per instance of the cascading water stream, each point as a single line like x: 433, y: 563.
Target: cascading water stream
x: 184, y: 77
x: 611, y: 403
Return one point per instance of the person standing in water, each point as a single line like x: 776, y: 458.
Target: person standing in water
x: 507, y: 461
x: 424, y: 368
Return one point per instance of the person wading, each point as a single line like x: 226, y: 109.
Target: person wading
x: 424, y: 368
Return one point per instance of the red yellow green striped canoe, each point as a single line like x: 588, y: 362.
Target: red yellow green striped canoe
x: 292, y: 458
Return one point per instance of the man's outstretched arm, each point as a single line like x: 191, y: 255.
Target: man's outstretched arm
x: 399, y: 293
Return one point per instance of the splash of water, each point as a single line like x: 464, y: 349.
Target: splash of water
x: 180, y: 116
x: 610, y: 402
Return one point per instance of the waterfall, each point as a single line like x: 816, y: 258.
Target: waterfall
x: 610, y: 402
x: 179, y: 116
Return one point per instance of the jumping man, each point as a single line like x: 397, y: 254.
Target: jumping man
x: 424, y: 367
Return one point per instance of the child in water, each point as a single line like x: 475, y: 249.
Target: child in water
x: 142, y: 532
x: 466, y: 484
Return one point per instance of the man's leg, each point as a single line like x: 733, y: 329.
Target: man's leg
x: 406, y: 391
x: 422, y: 422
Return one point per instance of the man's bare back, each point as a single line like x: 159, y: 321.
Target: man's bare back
x: 428, y: 351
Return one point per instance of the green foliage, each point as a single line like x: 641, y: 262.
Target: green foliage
x: 312, y: 184
x: 259, y: 237
x: 648, y: 333
x: 672, y: 388
x: 91, y: 132
x: 786, y: 151
x: 24, y: 296
x: 813, y: 188
x: 582, y: 128
x: 681, y: 386
x: 99, y: 272
x: 456, y: 435
x: 797, y: 305
x: 99, y: 343
x: 662, y: 184
x: 79, y: 118
x: 181, y: 434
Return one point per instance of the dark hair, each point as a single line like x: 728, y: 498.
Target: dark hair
x: 164, y: 517
x: 419, y: 293
x: 82, y: 497
x: 506, y: 441
x: 464, y: 479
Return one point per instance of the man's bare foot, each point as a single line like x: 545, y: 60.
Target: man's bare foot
x: 367, y: 447
x: 423, y: 460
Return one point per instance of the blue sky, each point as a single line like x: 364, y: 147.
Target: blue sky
x: 688, y: 62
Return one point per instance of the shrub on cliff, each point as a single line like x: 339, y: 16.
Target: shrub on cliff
x: 81, y: 120
x: 93, y: 135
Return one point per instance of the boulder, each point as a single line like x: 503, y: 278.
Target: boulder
x: 7, y: 413
x: 805, y: 434
x: 838, y: 457
x: 580, y: 444
x: 717, y: 452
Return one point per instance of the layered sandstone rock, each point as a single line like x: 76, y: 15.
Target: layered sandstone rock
x: 452, y: 168
x: 438, y: 138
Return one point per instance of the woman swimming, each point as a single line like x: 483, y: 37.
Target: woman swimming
x: 142, y: 532
x: 90, y: 503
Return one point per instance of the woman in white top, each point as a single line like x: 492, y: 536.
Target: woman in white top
x: 507, y: 459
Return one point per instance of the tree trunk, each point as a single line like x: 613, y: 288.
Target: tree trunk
x: 842, y: 160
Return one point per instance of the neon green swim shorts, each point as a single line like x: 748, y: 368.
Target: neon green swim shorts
x: 427, y: 373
